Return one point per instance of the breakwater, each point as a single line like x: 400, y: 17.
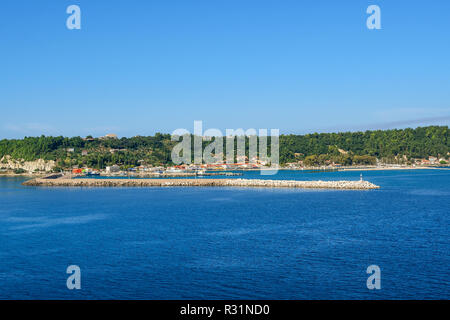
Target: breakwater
x: 64, y: 182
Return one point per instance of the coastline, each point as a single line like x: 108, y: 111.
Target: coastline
x: 232, y: 172
x: 31, y: 175
x: 352, y: 168
x: 388, y: 168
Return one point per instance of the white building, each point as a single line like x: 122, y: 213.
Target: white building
x: 112, y: 169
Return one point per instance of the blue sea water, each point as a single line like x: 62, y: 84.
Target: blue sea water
x: 229, y: 243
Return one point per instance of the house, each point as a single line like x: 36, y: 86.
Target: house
x: 117, y: 150
x: 432, y: 160
x: 84, y: 152
x: 292, y: 165
x: 110, y: 136
x: 112, y: 169
x: 70, y: 150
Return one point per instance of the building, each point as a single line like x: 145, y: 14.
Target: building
x: 110, y: 136
x: 117, y: 150
x: 112, y: 169
x: 432, y: 160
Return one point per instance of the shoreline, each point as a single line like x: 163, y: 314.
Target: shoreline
x: 388, y: 168
x: 231, y: 171
x: 64, y: 182
x: 337, y: 169
x: 31, y: 175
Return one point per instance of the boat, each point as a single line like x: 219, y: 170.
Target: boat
x: 92, y: 173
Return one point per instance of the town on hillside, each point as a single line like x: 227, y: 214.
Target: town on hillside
x: 109, y: 155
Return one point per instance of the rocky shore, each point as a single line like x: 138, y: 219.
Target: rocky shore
x: 64, y: 182
x: 8, y: 163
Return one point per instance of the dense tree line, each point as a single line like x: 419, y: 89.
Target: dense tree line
x: 386, y: 145
x: 314, y: 149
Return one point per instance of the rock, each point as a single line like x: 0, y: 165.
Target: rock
x: 8, y: 163
x: 64, y: 181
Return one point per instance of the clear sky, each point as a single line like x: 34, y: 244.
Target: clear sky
x: 140, y: 67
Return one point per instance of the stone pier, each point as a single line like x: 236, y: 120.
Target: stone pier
x: 64, y: 182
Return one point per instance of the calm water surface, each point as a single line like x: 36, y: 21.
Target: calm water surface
x: 229, y: 243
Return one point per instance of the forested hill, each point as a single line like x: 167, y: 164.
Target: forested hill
x: 386, y: 145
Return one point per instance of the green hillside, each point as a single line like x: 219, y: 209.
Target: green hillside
x: 390, y: 146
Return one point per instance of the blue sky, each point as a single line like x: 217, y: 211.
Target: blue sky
x: 140, y: 67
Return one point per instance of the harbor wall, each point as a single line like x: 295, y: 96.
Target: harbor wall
x: 347, y: 185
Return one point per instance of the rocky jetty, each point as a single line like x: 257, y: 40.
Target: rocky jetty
x: 67, y: 182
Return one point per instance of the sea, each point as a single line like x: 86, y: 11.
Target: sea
x: 230, y: 243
